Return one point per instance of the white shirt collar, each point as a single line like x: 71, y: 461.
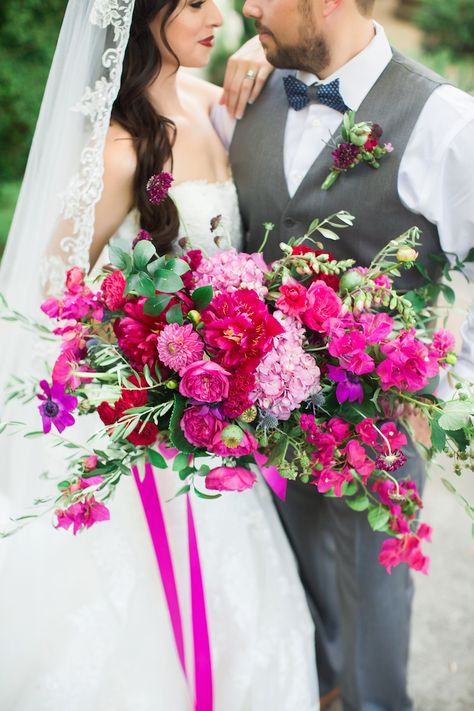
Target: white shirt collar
x: 357, y: 77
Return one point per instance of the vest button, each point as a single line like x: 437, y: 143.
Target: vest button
x: 289, y: 222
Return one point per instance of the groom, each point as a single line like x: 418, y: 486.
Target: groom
x: 280, y: 157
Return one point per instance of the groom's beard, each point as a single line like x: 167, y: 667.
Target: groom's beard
x: 311, y: 55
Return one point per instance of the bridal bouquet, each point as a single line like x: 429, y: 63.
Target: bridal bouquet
x: 223, y: 364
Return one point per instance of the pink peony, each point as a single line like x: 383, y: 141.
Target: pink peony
x: 179, y: 346
x: 205, y: 381
x: 137, y: 334
x: 230, y: 479
x: 323, y: 303
x: 294, y: 298
x: 240, y: 329
x: 200, y: 425
x: 112, y: 290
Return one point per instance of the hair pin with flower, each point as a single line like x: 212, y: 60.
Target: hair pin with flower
x: 357, y: 144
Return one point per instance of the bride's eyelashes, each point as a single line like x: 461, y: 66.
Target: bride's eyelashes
x: 197, y: 5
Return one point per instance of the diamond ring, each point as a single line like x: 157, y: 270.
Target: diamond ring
x: 251, y: 73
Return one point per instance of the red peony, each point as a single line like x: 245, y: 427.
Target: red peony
x: 137, y: 334
x: 112, y: 290
x: 240, y: 329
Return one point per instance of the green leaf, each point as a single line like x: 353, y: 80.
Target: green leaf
x: 456, y: 414
x: 140, y: 284
x: 142, y: 253
x: 167, y: 281
x: 155, y: 305
x: 438, y: 436
x: 175, y: 314
x: 177, y: 437
x: 184, y: 490
x: 156, y: 459
x: 378, y: 518
x: 469, y: 256
x: 361, y: 503
x: 329, y: 234
x: 177, y: 265
x: 448, y: 293
x: 202, y: 495
x: 63, y: 485
x: 448, y: 485
x: 156, y: 264
x: 349, y: 488
x: 202, y: 296
x: 180, y: 461
x: 32, y: 435
x: 119, y: 258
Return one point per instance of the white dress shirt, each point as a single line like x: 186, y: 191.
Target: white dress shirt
x: 436, y: 175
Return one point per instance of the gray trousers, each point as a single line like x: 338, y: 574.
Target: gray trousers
x: 361, y: 613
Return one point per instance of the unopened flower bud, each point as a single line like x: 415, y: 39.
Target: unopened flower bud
x: 184, y: 243
x: 451, y: 358
x: 359, y: 135
x: 407, y: 254
x: 171, y: 384
x: 219, y: 241
x: 194, y: 316
x: 350, y: 280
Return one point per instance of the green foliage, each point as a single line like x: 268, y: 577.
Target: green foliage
x: 28, y: 34
x: 447, y: 24
x: 8, y: 196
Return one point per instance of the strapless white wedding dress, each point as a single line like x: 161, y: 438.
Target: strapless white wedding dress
x: 84, y: 624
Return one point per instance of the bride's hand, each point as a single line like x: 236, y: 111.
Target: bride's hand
x: 245, y: 76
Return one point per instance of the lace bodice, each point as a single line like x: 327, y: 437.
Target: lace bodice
x: 198, y: 201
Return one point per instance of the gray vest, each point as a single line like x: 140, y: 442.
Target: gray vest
x: 256, y: 155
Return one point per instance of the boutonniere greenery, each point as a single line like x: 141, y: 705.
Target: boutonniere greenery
x: 357, y: 144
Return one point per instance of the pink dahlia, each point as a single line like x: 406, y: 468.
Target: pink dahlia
x: 240, y: 329
x: 179, y: 346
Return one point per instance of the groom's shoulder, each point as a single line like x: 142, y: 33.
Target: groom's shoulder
x: 414, y: 70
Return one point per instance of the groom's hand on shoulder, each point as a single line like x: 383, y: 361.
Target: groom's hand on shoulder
x: 245, y: 76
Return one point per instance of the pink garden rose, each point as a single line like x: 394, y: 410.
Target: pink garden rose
x: 294, y: 298
x: 230, y: 479
x: 200, y: 425
x: 205, y: 381
x: 323, y: 303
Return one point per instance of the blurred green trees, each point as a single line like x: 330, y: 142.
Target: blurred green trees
x: 448, y: 25
x: 28, y: 34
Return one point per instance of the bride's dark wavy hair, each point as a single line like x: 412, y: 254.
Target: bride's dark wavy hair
x: 153, y: 135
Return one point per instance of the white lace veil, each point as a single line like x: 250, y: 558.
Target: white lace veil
x: 54, y: 219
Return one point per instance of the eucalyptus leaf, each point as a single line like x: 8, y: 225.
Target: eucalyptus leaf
x: 155, y: 305
x: 143, y: 251
x: 177, y: 265
x: 167, y: 281
x: 175, y: 314
x: 140, y: 284
x: 180, y: 461
x: 202, y: 296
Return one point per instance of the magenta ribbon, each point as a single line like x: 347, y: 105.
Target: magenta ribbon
x: 203, y: 691
x: 272, y: 476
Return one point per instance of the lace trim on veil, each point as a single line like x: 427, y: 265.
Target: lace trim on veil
x: 83, y: 192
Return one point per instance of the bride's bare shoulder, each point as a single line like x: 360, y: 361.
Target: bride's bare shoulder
x: 119, y: 151
x: 203, y: 91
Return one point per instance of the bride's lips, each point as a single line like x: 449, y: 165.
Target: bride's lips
x: 208, y: 41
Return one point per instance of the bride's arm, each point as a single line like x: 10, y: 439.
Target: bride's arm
x: 117, y: 197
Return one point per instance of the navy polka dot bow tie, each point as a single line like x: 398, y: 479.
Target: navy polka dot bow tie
x: 299, y: 94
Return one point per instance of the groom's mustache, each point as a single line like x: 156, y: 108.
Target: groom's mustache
x: 260, y: 28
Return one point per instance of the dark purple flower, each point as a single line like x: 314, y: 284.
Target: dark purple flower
x: 142, y: 235
x: 158, y: 186
x: 348, y: 385
x: 345, y: 155
x: 391, y: 462
x: 57, y: 406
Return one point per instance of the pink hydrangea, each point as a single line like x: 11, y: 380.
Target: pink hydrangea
x: 228, y: 271
x: 179, y: 346
x: 287, y: 375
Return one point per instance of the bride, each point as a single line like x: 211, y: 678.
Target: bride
x: 84, y: 622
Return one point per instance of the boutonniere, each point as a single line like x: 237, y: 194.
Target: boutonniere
x: 358, y: 143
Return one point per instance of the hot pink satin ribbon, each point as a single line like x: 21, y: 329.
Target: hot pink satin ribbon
x: 272, y: 476
x: 203, y: 697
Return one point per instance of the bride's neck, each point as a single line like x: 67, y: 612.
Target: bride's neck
x: 163, y: 92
